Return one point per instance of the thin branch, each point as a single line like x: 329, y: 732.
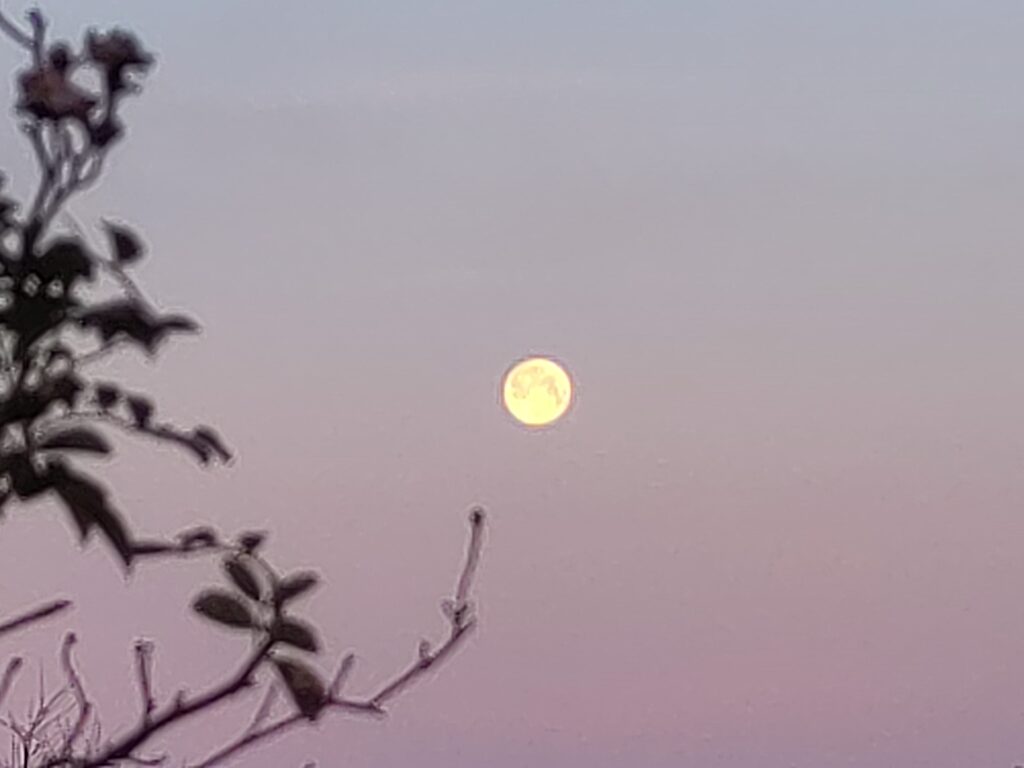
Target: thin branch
x: 248, y: 739
x: 425, y: 661
x: 143, y: 663
x: 8, y: 678
x: 83, y: 169
x: 341, y: 675
x: 15, y: 32
x: 124, y: 748
x: 476, y: 523
x: 147, y: 760
x: 285, y: 723
x: 84, y: 706
x: 47, y: 175
x: 38, y: 24
x: 36, y: 614
x: 265, y: 708
x: 460, y: 625
x: 458, y: 616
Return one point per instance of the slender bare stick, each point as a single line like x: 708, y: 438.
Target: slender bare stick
x: 143, y: 661
x: 6, y: 681
x: 476, y: 520
x: 458, y: 616
x: 14, y: 32
x: 265, y: 707
x: 341, y: 675
x: 124, y: 748
x: 78, y: 690
x: 36, y: 614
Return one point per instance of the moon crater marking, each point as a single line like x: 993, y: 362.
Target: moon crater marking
x: 537, y: 391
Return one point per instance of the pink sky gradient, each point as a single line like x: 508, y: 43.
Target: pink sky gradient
x: 780, y: 248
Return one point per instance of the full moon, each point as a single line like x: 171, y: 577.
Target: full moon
x: 537, y: 391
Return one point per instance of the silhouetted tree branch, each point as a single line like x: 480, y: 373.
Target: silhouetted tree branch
x: 56, y: 286
x: 461, y: 621
x: 51, y: 282
x: 309, y: 695
x: 45, y: 611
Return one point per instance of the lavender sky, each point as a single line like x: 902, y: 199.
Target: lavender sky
x: 778, y: 244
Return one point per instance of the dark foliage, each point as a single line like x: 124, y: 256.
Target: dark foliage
x: 49, y: 283
x: 53, y: 414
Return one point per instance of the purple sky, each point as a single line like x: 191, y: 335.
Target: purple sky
x: 778, y: 244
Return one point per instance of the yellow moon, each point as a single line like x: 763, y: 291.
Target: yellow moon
x: 537, y: 391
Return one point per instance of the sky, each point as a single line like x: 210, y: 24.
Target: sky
x: 777, y: 244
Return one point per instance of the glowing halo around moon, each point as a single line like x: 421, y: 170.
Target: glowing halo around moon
x: 536, y: 391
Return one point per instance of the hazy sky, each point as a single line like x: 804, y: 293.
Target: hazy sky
x: 780, y: 247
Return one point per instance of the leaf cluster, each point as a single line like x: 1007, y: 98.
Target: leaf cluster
x: 258, y: 601
x: 56, y: 311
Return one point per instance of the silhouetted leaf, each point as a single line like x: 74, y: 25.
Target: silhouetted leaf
x: 26, y: 481
x: 295, y: 633
x: 291, y: 587
x: 131, y: 319
x: 62, y: 389
x: 177, y: 323
x: 65, y: 260
x: 116, y: 52
x: 210, y: 438
x: 223, y: 608
x: 127, y: 246
x: 23, y: 406
x: 32, y: 316
x: 141, y: 409
x: 77, y: 439
x: 106, y: 131
x: 243, y: 577
x: 87, y: 501
x: 308, y: 693
x: 107, y: 395
x: 198, y: 447
x: 250, y: 541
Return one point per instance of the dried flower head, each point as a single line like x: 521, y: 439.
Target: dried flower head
x: 116, y: 52
x: 47, y: 94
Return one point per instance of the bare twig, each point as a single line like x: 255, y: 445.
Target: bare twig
x: 8, y: 678
x: 143, y: 663
x: 265, y: 708
x: 38, y: 24
x: 476, y: 518
x: 15, y: 32
x: 124, y: 748
x: 47, y: 174
x: 458, y: 614
x: 341, y: 675
x: 425, y: 660
x: 36, y: 614
x: 84, y: 706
